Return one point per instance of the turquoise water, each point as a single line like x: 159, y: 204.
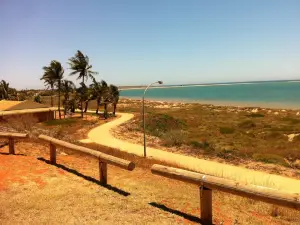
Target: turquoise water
x: 285, y: 94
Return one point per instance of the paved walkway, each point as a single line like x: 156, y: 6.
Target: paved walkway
x: 101, y: 135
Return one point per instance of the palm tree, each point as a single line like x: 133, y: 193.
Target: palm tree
x: 115, y: 95
x: 82, y: 95
x: 67, y: 87
x: 106, y: 99
x: 54, y: 74
x: 98, y: 89
x: 110, y: 96
x: 49, y: 83
x: 79, y: 64
x: 4, y: 90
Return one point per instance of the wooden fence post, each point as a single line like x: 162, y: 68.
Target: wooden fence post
x: 206, y: 205
x: 11, y: 144
x: 103, y: 172
x: 52, y: 153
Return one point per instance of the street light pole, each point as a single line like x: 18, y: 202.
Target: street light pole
x: 144, y: 124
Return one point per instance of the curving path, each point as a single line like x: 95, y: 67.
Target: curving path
x: 101, y: 135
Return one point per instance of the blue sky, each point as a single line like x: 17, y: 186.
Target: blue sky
x: 135, y: 42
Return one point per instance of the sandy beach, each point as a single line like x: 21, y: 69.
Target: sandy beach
x: 268, y: 105
x: 197, y: 85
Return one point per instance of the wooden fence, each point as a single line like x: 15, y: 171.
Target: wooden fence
x: 104, y: 159
x: 208, y: 183
x: 11, y: 139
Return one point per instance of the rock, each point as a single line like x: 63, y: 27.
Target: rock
x: 298, y: 113
x: 283, y: 110
x: 63, y: 153
x: 276, y: 113
x: 297, y: 164
x: 269, y: 111
x: 291, y: 136
x: 254, y: 110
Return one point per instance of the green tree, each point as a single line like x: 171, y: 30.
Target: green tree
x: 67, y: 88
x: 80, y: 66
x: 53, y: 75
x: 110, y: 96
x: 82, y: 95
x: 4, y: 90
x: 37, y: 98
x: 98, y: 90
x: 49, y: 83
x: 114, y: 95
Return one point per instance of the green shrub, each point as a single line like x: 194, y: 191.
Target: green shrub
x: 247, y: 124
x: 158, y: 124
x: 174, y: 138
x: 291, y: 120
x: 202, y: 145
x: 226, y: 130
x: 255, y: 115
x: 37, y: 99
x: 269, y: 158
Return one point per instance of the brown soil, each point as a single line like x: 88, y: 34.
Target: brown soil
x: 34, y: 192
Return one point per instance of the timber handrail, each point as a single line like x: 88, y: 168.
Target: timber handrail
x: 208, y: 183
x: 103, y: 158
x: 11, y: 139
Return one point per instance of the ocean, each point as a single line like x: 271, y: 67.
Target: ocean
x: 284, y: 94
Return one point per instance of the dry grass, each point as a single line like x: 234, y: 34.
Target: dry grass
x: 233, y: 133
x: 38, y: 193
x: 52, y: 194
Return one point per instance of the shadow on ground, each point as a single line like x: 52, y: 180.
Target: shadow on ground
x: 91, y: 179
x: 176, y: 212
x: 5, y: 153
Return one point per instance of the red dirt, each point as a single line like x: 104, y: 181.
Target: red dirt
x: 18, y: 170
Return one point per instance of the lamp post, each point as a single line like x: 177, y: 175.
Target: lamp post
x: 144, y: 125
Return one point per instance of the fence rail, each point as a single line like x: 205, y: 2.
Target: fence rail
x: 104, y: 159
x: 11, y: 139
x: 208, y: 183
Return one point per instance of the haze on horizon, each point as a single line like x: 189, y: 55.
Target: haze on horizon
x: 137, y: 42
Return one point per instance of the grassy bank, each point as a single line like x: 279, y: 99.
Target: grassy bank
x: 228, y: 133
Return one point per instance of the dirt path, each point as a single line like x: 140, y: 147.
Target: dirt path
x: 102, y: 135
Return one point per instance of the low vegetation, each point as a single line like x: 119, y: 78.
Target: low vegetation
x: 228, y: 133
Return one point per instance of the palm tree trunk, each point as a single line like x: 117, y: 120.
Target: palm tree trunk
x: 98, y: 105
x: 82, y: 101
x: 86, y: 106
x: 81, y: 104
x: 115, y: 108
x: 64, y: 105
x: 105, y: 110
x: 52, y: 92
x: 59, y: 113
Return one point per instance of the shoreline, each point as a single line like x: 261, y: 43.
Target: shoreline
x: 267, y: 105
x: 204, y: 85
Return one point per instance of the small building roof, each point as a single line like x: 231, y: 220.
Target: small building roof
x: 6, y: 105
x: 26, y: 111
